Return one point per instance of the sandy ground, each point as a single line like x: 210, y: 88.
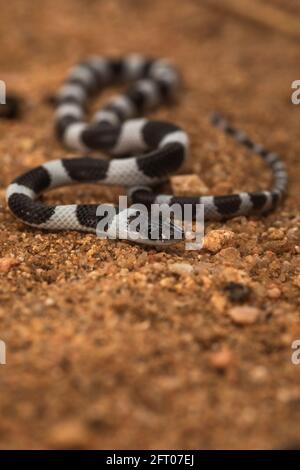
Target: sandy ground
x: 110, y: 345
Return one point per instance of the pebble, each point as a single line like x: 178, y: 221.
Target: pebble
x: 274, y: 293
x: 237, y: 292
x: 219, y: 302
x: 70, y: 434
x: 230, y: 274
x: 215, y: 240
x: 222, y: 359
x: 7, y: 263
x: 167, y: 282
x: 259, y: 374
x: 288, y: 395
x: 276, y: 234
x: 181, y: 268
x: 26, y: 144
x: 12, y: 108
x: 244, y: 315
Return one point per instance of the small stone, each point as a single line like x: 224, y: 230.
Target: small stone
x: 276, y: 234
x: 244, y: 315
x: 26, y: 144
x: 159, y: 267
x: 181, y: 268
x: 231, y: 274
x: 259, y: 374
x: 167, y: 282
x: 237, y: 292
x: 92, y: 251
x: 286, y: 340
x: 50, y: 100
x: 215, y: 240
x: 222, y: 359
x: 206, y: 281
x: 219, y: 302
x: 123, y: 272
x: 288, y: 395
x: 11, y: 109
x: 274, y: 293
x: 188, y: 185
x: 70, y: 434
x: 49, y: 302
x: 7, y: 263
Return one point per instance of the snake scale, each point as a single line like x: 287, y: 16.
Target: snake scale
x: 151, y: 151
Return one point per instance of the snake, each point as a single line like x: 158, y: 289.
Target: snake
x: 143, y: 153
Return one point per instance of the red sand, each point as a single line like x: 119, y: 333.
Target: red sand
x: 108, y: 344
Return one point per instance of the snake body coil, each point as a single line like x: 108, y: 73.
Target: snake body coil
x: 157, y: 149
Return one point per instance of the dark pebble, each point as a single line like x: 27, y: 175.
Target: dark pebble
x: 12, y: 108
x: 51, y: 100
x: 237, y: 292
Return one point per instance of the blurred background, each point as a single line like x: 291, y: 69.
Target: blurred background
x: 107, y: 345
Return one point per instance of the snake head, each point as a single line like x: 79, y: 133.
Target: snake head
x: 157, y: 233
x: 141, y: 227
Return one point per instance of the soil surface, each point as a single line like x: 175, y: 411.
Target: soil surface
x: 111, y: 345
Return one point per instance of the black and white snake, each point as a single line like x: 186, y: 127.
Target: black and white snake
x: 157, y: 149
